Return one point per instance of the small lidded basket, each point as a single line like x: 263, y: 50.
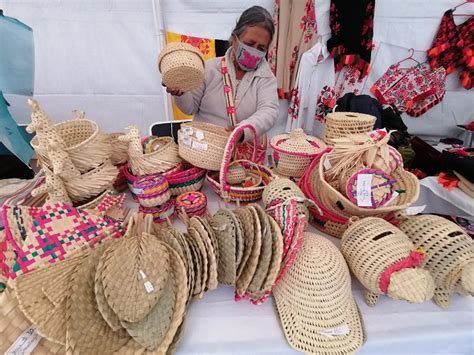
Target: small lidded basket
x: 181, y: 66
x: 151, y: 191
x: 294, y: 151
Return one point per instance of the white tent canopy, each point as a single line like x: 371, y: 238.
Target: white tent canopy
x: 100, y: 56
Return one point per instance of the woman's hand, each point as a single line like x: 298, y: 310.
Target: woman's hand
x: 174, y: 92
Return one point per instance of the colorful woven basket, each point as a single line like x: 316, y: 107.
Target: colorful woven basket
x: 203, y: 144
x: 220, y: 183
x: 161, y: 214
x: 192, y: 203
x: 293, y: 152
x: 340, y: 124
x: 181, y: 66
x: 189, y: 178
x: 152, y: 191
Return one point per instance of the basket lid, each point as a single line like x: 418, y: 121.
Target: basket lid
x: 297, y: 143
x: 178, y: 46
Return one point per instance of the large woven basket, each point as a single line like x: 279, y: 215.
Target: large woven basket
x: 181, y: 66
x: 164, y: 158
x: 86, y: 146
x: 203, y: 144
x: 220, y: 183
x: 340, y: 124
x: 293, y: 152
x: 337, y: 208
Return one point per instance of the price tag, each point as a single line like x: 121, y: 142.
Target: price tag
x: 199, y: 135
x: 149, y: 287
x: 199, y: 146
x: 327, y: 164
x: 137, y: 191
x: 186, y: 140
x: 334, y: 332
x: 25, y: 343
x: 188, y: 131
x: 364, y: 190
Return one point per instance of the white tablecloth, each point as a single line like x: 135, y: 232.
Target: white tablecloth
x: 219, y: 325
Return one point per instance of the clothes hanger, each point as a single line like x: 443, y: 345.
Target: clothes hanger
x: 410, y: 57
x: 461, y: 4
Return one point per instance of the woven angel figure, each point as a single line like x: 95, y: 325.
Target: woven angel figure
x: 134, y: 142
x: 449, y: 254
x: 385, y: 261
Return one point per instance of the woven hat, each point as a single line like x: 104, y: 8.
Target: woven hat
x: 250, y: 267
x: 255, y: 288
x: 315, y: 304
x: 181, y: 66
x: 141, y: 262
x: 449, y: 254
x: 385, y: 261
x: 292, y: 152
x: 224, y: 230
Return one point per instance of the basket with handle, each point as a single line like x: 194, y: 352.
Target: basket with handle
x: 202, y: 144
x: 221, y: 185
x: 340, y: 124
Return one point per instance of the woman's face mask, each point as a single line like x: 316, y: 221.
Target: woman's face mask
x: 248, y: 58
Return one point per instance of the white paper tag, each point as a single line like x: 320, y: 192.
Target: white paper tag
x: 186, y: 140
x: 199, y: 135
x: 25, y: 343
x: 394, y: 196
x: 188, y: 131
x: 338, y: 331
x: 364, y: 190
x: 411, y: 211
x: 199, y: 146
x: 149, y: 287
x: 142, y: 274
x: 327, y: 164
x: 137, y: 191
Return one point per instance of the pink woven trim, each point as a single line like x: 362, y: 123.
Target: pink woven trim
x: 413, y: 260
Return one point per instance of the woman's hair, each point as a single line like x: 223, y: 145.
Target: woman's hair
x: 255, y: 16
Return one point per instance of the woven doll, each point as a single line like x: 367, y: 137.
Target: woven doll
x: 385, y: 261
x: 449, y: 254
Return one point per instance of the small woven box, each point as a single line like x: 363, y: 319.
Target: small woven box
x: 293, y: 152
x: 340, y: 124
x: 151, y: 191
x: 192, y: 203
x: 161, y: 214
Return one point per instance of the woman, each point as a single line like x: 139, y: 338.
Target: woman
x: 254, y: 85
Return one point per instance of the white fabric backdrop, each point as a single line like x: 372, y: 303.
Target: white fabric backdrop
x: 99, y: 56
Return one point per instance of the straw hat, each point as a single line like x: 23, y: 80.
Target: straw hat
x: 384, y: 260
x: 314, y: 301
x: 250, y: 267
x: 449, y: 254
x: 224, y: 229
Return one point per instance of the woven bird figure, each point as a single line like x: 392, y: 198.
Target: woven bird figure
x: 134, y: 142
x: 449, y: 254
x: 385, y: 261
x: 60, y: 160
x: 54, y: 187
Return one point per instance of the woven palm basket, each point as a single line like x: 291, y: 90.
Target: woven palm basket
x: 449, y: 254
x: 340, y: 124
x: 86, y: 146
x: 181, y: 66
x: 203, y: 144
x: 119, y: 149
x: 164, y: 158
x: 384, y: 260
x: 293, y: 152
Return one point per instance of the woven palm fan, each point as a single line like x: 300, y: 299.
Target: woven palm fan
x: 449, y: 254
x: 86, y: 146
x: 163, y: 158
x: 385, y: 261
x: 224, y: 229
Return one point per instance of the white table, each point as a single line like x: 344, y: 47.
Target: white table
x: 219, y: 325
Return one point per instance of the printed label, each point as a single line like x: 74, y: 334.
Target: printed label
x: 364, y: 190
x: 338, y: 331
x: 188, y: 131
x: 199, y: 135
x: 327, y: 164
x: 149, y: 287
x: 186, y: 140
x: 25, y: 343
x: 199, y: 146
x: 137, y: 191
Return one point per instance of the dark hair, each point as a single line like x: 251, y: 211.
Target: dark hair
x: 255, y: 16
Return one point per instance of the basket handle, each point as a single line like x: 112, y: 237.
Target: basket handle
x: 229, y: 148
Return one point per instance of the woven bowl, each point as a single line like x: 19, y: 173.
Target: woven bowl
x: 190, y: 178
x: 86, y: 146
x: 202, y: 144
x: 340, y: 124
x: 293, y: 152
x: 181, y: 66
x: 152, y: 191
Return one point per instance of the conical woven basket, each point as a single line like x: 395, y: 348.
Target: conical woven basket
x: 340, y: 124
x: 181, y: 66
x: 86, y: 146
x: 203, y: 144
x: 293, y: 152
